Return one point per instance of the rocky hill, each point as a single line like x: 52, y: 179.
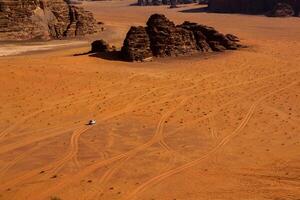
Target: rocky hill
x: 43, y: 19
x: 162, y: 38
x: 278, y: 8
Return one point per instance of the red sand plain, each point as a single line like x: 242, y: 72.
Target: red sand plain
x: 218, y: 127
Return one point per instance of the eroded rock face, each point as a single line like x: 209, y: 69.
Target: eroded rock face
x: 136, y: 45
x: 168, y: 40
x: 163, y: 38
x: 277, y: 7
x: 43, y: 19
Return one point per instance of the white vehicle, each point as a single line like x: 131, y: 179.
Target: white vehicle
x: 92, y: 122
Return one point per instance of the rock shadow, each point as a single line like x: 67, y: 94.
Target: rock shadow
x: 196, y: 10
x: 113, y: 55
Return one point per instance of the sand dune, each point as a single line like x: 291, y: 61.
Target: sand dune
x: 221, y: 126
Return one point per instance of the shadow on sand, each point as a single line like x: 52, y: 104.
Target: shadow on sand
x: 196, y: 10
x: 113, y: 55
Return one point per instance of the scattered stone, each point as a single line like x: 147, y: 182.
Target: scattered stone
x: 54, y: 176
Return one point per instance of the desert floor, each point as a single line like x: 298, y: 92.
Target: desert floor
x: 219, y: 127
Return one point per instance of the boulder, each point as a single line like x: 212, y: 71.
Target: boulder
x: 99, y: 46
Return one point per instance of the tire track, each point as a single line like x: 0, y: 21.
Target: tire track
x: 82, y: 95
x: 223, y: 142
x: 74, y: 148
x: 156, y: 137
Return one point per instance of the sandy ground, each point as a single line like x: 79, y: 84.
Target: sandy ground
x: 224, y: 126
x: 12, y: 49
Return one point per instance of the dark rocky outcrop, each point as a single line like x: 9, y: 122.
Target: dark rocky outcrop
x: 136, y: 45
x: 282, y: 10
x: 163, y: 38
x: 43, y: 19
x: 166, y: 39
x: 270, y: 7
x: 100, y: 46
x: 173, y: 3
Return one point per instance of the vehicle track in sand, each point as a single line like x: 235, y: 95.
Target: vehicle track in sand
x: 87, y: 94
x: 19, y: 144
x: 156, y: 138
x: 101, y: 163
x: 73, y: 149
x: 119, y: 157
x: 110, y: 160
x: 73, y: 146
x: 222, y: 143
x: 20, y: 157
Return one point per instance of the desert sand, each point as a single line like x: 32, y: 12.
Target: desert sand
x: 222, y: 126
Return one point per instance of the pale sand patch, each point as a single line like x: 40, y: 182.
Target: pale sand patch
x: 17, y: 49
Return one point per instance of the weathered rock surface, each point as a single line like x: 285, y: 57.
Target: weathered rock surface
x: 163, y: 38
x: 136, y: 45
x: 277, y: 7
x: 166, y: 39
x: 163, y: 2
x: 43, y: 19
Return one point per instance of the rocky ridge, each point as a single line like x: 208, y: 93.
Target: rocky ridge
x: 43, y: 19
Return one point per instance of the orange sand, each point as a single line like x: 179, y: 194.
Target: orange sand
x: 224, y: 126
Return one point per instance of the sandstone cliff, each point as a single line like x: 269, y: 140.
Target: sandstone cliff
x: 43, y: 19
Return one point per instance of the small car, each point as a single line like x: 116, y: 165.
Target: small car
x: 92, y: 122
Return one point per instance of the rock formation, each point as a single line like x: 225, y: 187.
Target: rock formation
x: 163, y: 38
x: 271, y: 7
x: 166, y: 39
x: 136, y: 45
x: 43, y: 19
x: 282, y: 10
x: 163, y: 2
